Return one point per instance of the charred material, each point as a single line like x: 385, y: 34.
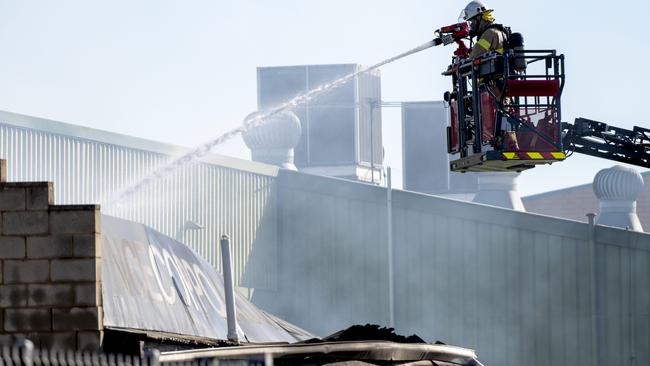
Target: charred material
x: 368, y: 332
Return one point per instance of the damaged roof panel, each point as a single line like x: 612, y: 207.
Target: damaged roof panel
x: 151, y: 282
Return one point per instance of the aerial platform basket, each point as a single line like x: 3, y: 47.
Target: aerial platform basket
x: 496, y: 161
x: 505, y: 118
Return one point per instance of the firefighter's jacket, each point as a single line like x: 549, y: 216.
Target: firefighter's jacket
x: 492, y: 39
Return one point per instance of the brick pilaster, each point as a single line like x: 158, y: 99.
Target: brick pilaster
x: 50, y: 267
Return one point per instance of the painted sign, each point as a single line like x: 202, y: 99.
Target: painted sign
x: 152, y: 282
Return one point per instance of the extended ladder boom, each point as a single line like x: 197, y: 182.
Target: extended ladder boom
x: 595, y: 138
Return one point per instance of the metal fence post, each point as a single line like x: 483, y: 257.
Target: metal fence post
x: 152, y: 357
x: 268, y: 359
x: 24, y: 349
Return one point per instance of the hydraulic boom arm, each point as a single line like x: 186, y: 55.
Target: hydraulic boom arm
x: 595, y: 138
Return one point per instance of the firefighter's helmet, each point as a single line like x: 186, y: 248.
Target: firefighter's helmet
x: 473, y: 9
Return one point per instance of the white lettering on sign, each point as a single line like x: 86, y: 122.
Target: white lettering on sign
x: 205, y: 283
x: 170, y: 296
x: 194, y: 286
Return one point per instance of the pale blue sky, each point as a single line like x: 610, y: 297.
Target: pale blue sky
x: 184, y: 71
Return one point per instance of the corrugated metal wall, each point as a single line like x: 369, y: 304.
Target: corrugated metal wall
x: 223, y: 200
x: 514, y: 286
x: 623, y: 297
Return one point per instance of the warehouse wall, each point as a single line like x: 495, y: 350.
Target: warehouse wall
x: 515, y: 286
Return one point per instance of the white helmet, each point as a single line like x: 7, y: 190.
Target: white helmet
x: 473, y: 9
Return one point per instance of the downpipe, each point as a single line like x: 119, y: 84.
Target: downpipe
x: 231, y: 310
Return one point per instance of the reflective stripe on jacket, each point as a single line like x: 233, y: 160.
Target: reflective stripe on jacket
x: 491, y: 40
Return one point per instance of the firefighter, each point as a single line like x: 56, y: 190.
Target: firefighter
x: 491, y: 36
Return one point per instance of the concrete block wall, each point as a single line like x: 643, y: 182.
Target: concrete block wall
x: 50, y: 257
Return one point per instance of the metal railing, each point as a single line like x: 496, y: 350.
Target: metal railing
x: 23, y: 353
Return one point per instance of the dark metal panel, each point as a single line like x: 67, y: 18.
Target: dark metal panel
x: 300, y: 252
x: 429, y: 243
x: 584, y: 301
x: 375, y: 262
x: 276, y: 85
x: 442, y: 271
x: 455, y: 280
x: 641, y: 307
x: 528, y: 323
x: 370, y: 118
x: 406, y: 243
x: 261, y: 258
x: 557, y: 310
x: 497, y: 290
x: 331, y: 135
x: 425, y: 161
x: 513, y: 309
x: 541, y: 271
x: 471, y: 284
x: 328, y: 235
x: 568, y: 327
x: 359, y: 265
x: 626, y: 305
x: 354, y: 268
x: 612, y: 345
x: 401, y: 237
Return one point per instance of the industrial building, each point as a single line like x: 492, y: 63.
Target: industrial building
x: 324, y: 253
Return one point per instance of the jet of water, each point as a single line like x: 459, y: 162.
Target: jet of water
x: 252, y: 122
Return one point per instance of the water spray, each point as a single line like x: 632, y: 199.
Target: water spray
x: 255, y: 121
